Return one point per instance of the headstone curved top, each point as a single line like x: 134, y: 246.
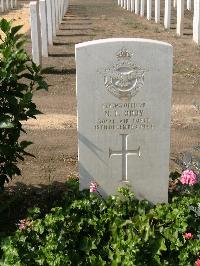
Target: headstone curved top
x: 124, y: 105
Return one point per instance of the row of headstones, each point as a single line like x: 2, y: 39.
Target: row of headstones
x: 7, y: 5
x: 138, y: 6
x: 45, y: 16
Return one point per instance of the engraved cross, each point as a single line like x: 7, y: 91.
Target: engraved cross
x: 124, y: 153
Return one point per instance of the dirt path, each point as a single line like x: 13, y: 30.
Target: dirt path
x: 54, y: 133
x: 19, y: 15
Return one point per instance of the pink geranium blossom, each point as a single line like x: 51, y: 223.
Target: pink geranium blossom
x: 188, y: 177
x: 197, y: 262
x: 24, y: 224
x: 93, y: 187
x: 188, y: 235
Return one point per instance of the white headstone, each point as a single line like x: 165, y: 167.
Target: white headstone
x: 149, y: 3
x: 132, y: 5
x: 49, y: 22
x: 124, y: 105
x: 174, y: 3
x: 157, y: 11
x: 2, y: 6
x: 53, y: 17
x: 128, y: 5
x: 125, y: 4
x: 142, y: 7
x: 167, y: 16
x: 122, y: 3
x: 7, y: 5
x: 12, y: 4
x: 60, y: 10
x: 137, y: 7
x: 43, y: 23
x: 57, y: 14
x: 67, y: 5
x: 189, y: 5
x: 180, y: 17
x: 35, y: 33
x: 196, y: 22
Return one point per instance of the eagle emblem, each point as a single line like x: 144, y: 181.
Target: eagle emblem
x: 124, y: 79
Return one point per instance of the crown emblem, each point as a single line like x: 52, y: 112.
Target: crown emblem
x: 123, y: 54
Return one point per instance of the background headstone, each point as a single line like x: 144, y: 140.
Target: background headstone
x: 180, y: 17
x: 157, y: 11
x: 142, y: 7
x: 189, y: 5
x: 149, y: 4
x: 49, y: 22
x: 7, y: 5
x: 124, y: 105
x: 43, y: 25
x: 137, y: 6
x: 53, y: 10
x: 2, y: 6
x: 35, y: 33
x: 167, y: 16
x: 196, y: 22
x: 132, y: 5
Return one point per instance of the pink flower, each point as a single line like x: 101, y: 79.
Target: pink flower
x: 188, y: 235
x: 21, y: 226
x: 197, y: 262
x: 24, y: 224
x: 188, y: 177
x: 93, y: 186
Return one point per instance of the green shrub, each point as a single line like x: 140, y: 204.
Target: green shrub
x: 19, y: 77
x: 120, y: 230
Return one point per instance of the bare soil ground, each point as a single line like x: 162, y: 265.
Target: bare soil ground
x: 54, y: 133
x: 19, y: 15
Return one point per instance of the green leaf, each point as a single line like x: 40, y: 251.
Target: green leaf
x: 27, y: 98
x: 19, y: 78
x: 15, y: 29
x: 5, y: 25
x: 6, y: 125
x: 24, y: 144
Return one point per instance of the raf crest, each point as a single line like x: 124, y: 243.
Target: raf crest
x: 124, y: 79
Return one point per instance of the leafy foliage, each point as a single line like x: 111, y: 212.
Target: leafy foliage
x: 120, y: 230
x: 19, y: 77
